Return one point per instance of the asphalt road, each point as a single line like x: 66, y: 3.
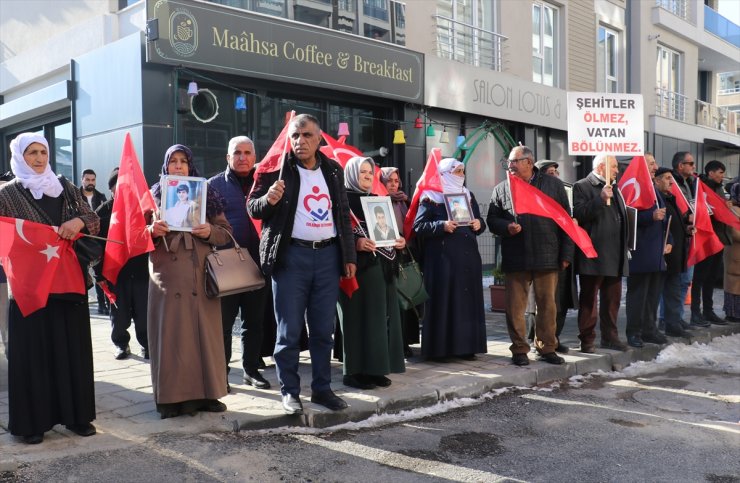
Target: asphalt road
x: 675, y: 426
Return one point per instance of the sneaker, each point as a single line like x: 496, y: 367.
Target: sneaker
x: 328, y: 399
x: 654, y: 338
x: 122, y: 353
x: 714, y: 318
x: 616, y: 345
x: 551, y: 358
x: 520, y: 359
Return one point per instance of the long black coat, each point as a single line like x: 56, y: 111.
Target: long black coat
x: 606, y: 225
x: 680, y: 236
x: 541, y: 245
x: 454, y: 316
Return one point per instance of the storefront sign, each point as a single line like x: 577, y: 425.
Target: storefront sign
x: 600, y: 123
x: 211, y: 37
x: 463, y: 88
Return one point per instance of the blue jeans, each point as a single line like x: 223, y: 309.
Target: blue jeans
x: 305, y: 289
x: 686, y: 278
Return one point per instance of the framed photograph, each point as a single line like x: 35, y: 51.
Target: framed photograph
x: 183, y: 202
x: 381, y: 221
x: 569, y: 192
x: 458, y: 208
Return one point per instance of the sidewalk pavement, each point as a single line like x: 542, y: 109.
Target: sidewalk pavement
x: 126, y: 411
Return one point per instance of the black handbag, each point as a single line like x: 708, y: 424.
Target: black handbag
x: 231, y: 271
x: 410, y: 285
x: 89, y: 251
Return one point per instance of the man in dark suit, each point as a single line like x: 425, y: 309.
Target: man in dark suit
x: 600, y: 210
x: 94, y: 198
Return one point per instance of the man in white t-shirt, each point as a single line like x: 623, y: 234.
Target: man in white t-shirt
x: 306, y: 246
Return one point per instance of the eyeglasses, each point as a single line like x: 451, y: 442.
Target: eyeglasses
x: 516, y: 160
x: 690, y: 163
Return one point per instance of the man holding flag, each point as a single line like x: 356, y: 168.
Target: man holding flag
x: 534, y: 250
x: 306, y: 246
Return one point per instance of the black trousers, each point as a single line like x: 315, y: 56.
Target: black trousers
x: 706, y: 274
x: 252, y: 305
x: 643, y: 292
x: 132, y: 300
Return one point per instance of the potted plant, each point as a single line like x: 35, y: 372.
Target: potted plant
x: 498, y: 291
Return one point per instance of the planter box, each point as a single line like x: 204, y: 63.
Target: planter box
x: 498, y: 298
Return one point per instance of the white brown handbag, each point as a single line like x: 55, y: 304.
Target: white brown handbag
x: 231, y: 271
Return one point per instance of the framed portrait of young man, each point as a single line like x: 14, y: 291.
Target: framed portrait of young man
x: 458, y: 208
x: 381, y: 221
x: 183, y: 202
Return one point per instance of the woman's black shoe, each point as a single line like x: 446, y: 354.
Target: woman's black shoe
x: 213, y: 406
x: 357, y: 382
x: 380, y: 381
x: 33, y: 439
x: 86, y: 429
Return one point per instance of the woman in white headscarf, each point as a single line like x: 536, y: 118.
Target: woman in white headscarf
x: 454, y: 318
x: 50, y: 366
x: 371, y: 317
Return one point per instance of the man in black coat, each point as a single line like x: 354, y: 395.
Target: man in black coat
x: 600, y: 210
x: 646, y: 267
x: 306, y: 246
x: 94, y: 198
x: 234, y: 184
x: 681, y: 232
x: 534, y: 251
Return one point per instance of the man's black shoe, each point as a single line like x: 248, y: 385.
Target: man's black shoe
x: 633, y: 341
x: 616, y: 345
x: 292, y: 404
x: 82, y: 429
x: 357, y: 382
x: 520, y: 359
x: 562, y: 349
x: 714, y: 318
x: 654, y: 338
x: 684, y: 325
x: 698, y: 321
x: 328, y: 399
x: 255, y: 379
x: 677, y: 332
x: 122, y: 353
x: 551, y: 358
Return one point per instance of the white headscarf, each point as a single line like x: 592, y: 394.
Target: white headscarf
x: 352, y: 173
x: 38, y: 184
x: 451, y: 183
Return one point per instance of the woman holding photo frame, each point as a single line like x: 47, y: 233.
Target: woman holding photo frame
x: 186, y: 344
x: 371, y: 318
x: 454, y: 318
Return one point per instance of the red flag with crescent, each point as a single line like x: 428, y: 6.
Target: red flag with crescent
x: 273, y: 160
x: 705, y: 242
x: 131, y: 201
x: 341, y: 152
x: 527, y: 199
x: 718, y: 207
x: 429, y: 180
x: 636, y: 185
x: 37, y: 262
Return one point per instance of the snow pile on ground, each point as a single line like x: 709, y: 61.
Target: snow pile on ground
x: 722, y: 353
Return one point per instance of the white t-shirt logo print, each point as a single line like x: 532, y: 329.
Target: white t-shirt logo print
x: 317, y: 205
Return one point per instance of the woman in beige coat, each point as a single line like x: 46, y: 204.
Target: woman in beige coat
x: 732, y: 264
x: 185, y: 334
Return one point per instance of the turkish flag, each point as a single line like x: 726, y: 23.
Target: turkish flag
x: 636, y: 185
x: 349, y: 285
x: 37, y: 263
x: 273, y: 160
x: 719, y: 208
x: 341, y: 152
x: 127, y: 223
x: 681, y: 201
x: 705, y: 242
x: 525, y: 198
x: 429, y: 180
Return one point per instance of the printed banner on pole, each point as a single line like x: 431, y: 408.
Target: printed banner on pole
x: 600, y: 123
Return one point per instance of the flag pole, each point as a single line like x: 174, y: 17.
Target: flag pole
x: 102, y: 239
x: 511, y: 196
x: 285, y: 148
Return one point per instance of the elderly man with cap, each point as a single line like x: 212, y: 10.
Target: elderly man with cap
x: 131, y: 289
x: 548, y: 167
x: 681, y: 232
x: 534, y: 251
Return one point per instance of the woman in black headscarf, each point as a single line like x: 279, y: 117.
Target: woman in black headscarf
x: 185, y: 334
x: 370, y: 320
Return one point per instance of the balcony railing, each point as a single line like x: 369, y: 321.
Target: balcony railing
x: 469, y: 44
x: 670, y: 104
x: 716, y: 117
x: 723, y: 28
x: 679, y: 8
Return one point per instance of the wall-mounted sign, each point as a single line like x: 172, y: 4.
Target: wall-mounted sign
x: 602, y: 123
x: 463, y: 88
x: 211, y: 37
